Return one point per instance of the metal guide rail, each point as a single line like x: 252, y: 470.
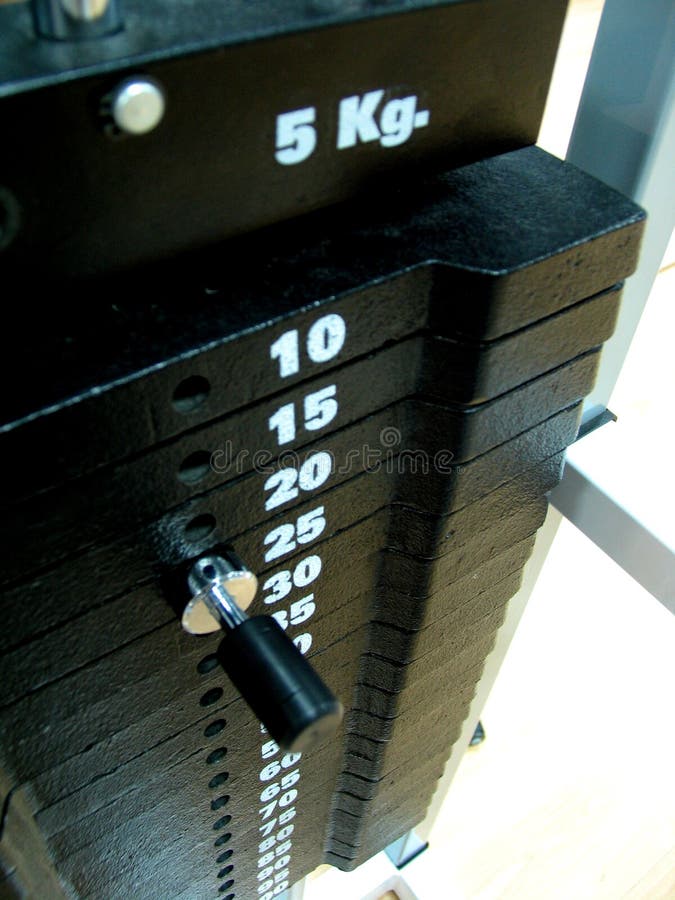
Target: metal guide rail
x: 374, y: 443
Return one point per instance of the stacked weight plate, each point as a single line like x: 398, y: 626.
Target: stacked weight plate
x: 273, y: 109
x: 369, y: 407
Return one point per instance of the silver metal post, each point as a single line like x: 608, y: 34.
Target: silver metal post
x: 223, y: 607
x: 73, y: 20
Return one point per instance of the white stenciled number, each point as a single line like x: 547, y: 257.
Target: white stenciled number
x: 300, y: 612
x: 325, y: 339
x: 273, y: 790
x: 267, y: 827
x: 320, y: 408
x: 269, y: 749
x: 286, y: 799
x: 271, y: 770
x: 278, y: 889
x: 283, y: 422
x: 296, y: 136
x: 311, y: 525
x: 307, y: 571
x: 361, y: 119
x: 285, y: 349
x: 283, y: 484
x: 281, y: 583
x: 303, y: 642
x: 280, y: 793
x: 313, y: 473
x: 284, y: 539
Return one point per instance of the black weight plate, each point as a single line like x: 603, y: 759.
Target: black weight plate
x: 111, y: 568
x: 400, y: 607
x: 381, y: 709
x: 84, y: 738
x: 375, y: 695
x: 376, y: 670
x: 334, y: 618
x: 119, y: 499
x: 418, y: 531
x: 113, y: 865
x: 381, y: 757
x: 472, y: 480
x: 109, y: 823
x: 401, y: 646
x: 421, y: 578
x: 447, y: 674
x: 138, y: 411
x: 427, y: 771
x: 404, y: 789
x: 457, y: 486
x: 386, y: 833
x: 505, y: 268
x: 481, y: 371
x: 140, y: 780
x: 368, y: 788
x: 185, y: 787
x: 352, y: 831
x: 67, y: 648
x: 228, y: 179
x: 91, y: 720
x: 77, y: 585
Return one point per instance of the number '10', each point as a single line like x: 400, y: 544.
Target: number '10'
x: 325, y: 339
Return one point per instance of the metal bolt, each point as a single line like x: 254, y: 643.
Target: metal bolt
x: 137, y: 105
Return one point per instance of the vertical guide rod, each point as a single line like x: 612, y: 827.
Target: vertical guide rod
x: 76, y: 20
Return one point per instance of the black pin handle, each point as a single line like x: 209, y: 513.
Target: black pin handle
x: 281, y: 687
x: 271, y: 674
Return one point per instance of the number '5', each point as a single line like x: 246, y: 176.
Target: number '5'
x: 296, y: 136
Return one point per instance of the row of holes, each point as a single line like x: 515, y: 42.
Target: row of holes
x: 188, y: 396
x: 191, y: 394
x: 213, y: 695
x: 199, y: 528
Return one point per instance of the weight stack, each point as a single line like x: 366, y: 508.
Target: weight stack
x: 369, y: 406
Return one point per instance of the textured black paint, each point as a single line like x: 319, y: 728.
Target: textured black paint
x: 209, y: 171
x: 117, y: 500
x: 536, y: 237
x: 108, y: 712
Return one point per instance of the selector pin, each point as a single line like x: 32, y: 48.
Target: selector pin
x: 281, y: 687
